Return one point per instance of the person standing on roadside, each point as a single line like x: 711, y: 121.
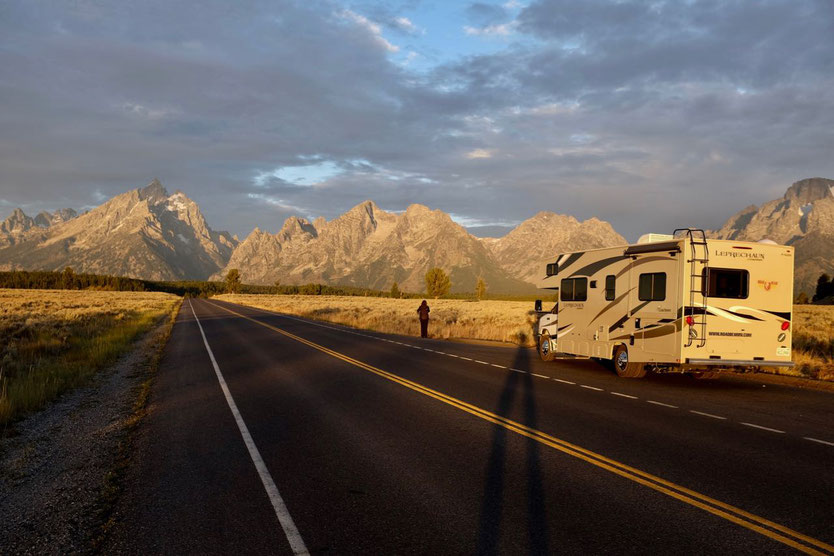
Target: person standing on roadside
x: 423, y: 311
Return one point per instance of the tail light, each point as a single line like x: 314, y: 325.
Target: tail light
x: 786, y: 325
x: 691, y: 321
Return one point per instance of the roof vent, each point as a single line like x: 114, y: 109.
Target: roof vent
x: 651, y: 238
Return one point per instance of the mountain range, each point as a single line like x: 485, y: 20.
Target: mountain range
x: 151, y: 234
x: 804, y: 218
x: 144, y: 233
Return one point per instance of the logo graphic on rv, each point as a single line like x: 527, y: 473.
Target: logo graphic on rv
x: 740, y: 254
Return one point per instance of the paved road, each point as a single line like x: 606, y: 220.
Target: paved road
x: 370, y: 443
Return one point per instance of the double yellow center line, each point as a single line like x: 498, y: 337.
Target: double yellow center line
x: 738, y: 516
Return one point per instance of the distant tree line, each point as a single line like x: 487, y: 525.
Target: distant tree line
x: 68, y: 279
x: 825, y: 289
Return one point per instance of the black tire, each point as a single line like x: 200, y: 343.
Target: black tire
x: 545, y: 351
x: 705, y: 375
x: 624, y: 367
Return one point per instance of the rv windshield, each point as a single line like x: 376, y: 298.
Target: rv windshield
x: 728, y: 283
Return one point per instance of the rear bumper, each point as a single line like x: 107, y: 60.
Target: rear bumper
x: 739, y: 363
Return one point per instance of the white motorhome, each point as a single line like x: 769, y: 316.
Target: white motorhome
x: 672, y: 303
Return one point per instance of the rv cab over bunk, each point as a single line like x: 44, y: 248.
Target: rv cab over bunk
x: 672, y: 303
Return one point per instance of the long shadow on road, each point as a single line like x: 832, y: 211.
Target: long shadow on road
x: 491, y: 509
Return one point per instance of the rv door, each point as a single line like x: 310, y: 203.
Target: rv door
x: 654, y: 304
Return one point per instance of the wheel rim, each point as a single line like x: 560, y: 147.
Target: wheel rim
x: 622, y: 360
x: 545, y: 345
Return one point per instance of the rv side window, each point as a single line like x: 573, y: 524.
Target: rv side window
x: 566, y: 290
x: 652, y: 287
x: 728, y: 283
x: 610, y: 287
x: 574, y: 289
x: 580, y: 289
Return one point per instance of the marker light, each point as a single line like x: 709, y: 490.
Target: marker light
x: 690, y: 321
x: 786, y: 325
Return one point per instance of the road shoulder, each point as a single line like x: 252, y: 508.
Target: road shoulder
x: 58, y: 468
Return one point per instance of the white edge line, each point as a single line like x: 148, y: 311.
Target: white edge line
x: 540, y: 376
x: 818, y: 440
x: 661, y: 403
x: 590, y: 387
x: 624, y: 395
x: 467, y: 358
x: 518, y: 371
x: 564, y: 381
x: 755, y: 426
x: 499, y: 366
x: 707, y: 414
x: 282, y: 513
x: 481, y: 362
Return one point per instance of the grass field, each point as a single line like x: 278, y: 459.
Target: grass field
x: 54, y: 340
x: 504, y: 321
x: 813, y: 341
x: 512, y: 321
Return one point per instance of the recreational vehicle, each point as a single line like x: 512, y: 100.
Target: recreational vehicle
x: 672, y: 303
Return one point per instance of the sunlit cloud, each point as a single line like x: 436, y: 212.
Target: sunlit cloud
x: 372, y: 28
x: 479, y: 153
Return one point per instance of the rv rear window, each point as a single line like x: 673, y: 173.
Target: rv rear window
x: 728, y: 282
x: 574, y: 289
x: 652, y: 287
x: 610, y: 287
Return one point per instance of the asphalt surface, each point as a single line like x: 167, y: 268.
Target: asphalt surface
x: 503, y: 454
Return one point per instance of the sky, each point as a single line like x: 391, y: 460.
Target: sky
x: 650, y: 115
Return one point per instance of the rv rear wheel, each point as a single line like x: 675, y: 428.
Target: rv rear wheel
x: 624, y: 367
x: 545, y: 347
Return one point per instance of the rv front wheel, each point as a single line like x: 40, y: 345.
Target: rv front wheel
x: 545, y: 347
x: 624, y: 367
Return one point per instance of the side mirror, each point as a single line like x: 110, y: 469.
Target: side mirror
x: 538, y: 305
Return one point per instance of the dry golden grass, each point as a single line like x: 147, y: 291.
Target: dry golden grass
x: 813, y: 341
x: 54, y: 340
x: 512, y: 321
x: 503, y: 321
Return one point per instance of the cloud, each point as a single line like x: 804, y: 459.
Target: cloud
x: 372, y: 28
x: 497, y: 30
x: 405, y: 25
x: 629, y: 111
x: 479, y: 153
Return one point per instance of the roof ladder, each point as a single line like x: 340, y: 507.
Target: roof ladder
x: 698, y: 288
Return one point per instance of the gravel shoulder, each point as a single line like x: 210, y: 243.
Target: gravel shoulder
x: 59, y: 467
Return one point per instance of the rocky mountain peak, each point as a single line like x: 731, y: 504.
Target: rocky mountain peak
x: 810, y: 190
x: 154, y: 192
x: 46, y: 219
x: 143, y: 233
x: 803, y: 217
x: 17, y: 223
x: 294, y: 227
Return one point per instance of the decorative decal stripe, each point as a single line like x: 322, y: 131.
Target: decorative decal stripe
x: 659, y: 332
x: 634, y: 311
x: 785, y: 316
x: 664, y: 330
x: 643, y: 260
x: 618, y: 324
x: 593, y: 268
x: 572, y: 258
x: 610, y: 305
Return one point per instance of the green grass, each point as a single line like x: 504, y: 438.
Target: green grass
x: 43, y: 363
